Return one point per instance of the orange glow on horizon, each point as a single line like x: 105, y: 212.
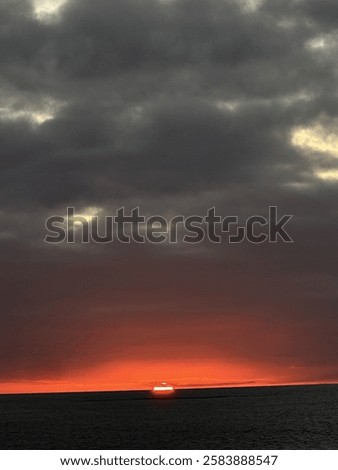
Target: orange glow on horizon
x: 138, y: 375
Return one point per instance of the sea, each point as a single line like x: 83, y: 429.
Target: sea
x: 279, y: 417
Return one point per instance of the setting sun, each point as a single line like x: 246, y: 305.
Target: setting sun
x: 163, y: 390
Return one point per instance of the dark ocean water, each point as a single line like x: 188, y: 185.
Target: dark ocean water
x: 302, y: 417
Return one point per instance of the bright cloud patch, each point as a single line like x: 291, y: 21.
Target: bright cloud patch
x: 37, y: 114
x: 88, y: 214
x: 36, y: 117
x: 322, y: 42
x: 251, y: 5
x: 46, y: 10
x: 316, y: 139
x: 328, y: 175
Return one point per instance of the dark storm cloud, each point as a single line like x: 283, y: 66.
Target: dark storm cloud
x: 324, y: 14
x: 140, y: 82
x: 176, y: 105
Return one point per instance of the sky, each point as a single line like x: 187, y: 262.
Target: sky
x: 174, y: 106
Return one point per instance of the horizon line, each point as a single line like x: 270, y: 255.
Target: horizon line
x: 181, y: 387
